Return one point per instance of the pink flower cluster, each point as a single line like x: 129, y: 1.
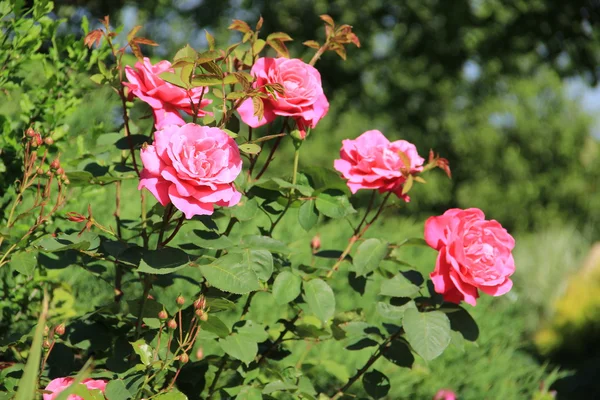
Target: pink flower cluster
x: 60, y: 384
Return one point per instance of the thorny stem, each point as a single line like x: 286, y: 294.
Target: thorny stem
x: 380, y: 351
x: 358, y: 233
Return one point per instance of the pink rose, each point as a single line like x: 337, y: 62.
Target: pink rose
x: 193, y: 167
x: 303, y: 98
x: 164, y: 98
x: 372, y: 162
x: 473, y: 254
x: 59, y: 384
x: 445, y: 394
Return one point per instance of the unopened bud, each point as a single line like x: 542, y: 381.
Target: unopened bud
x: 60, y: 330
x: 184, y: 358
x: 200, y: 303
x: 76, y: 217
x: 55, y: 164
x: 315, y: 243
x: 46, y: 344
x: 180, y: 300
x: 30, y: 132
x: 39, y: 171
x: 60, y: 171
x: 46, y: 330
x: 49, y: 141
x: 199, y: 312
x: 204, y: 317
x: 66, y: 181
x: 38, y: 139
x: 172, y: 324
x: 163, y: 315
x: 200, y: 354
x: 48, y: 173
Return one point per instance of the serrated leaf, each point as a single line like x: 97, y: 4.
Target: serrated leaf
x: 308, y: 215
x: 279, y: 47
x: 334, y: 206
x: 258, y: 46
x: 173, y: 78
x: 428, y: 333
x: 143, y: 350
x: 215, y: 325
x: 163, y: 261
x: 312, y: 44
x: 24, y: 262
x: 206, y: 80
x: 185, y: 52
x: 265, y: 243
x: 369, y: 255
x: 231, y: 274
x: 282, y: 36
x: 376, y: 384
x: 277, y: 386
x: 398, y: 286
x: 391, y: 312
x: 320, y: 298
x: 239, y: 347
x: 286, y: 287
x: 116, y: 390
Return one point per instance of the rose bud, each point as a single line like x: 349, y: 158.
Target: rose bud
x: 46, y: 330
x: 55, y: 164
x: 315, y: 243
x: 46, y: 344
x: 180, y: 300
x: 184, y: 358
x: 60, y: 171
x: 38, y: 139
x: 60, y: 330
x: 200, y: 303
x: 30, y: 132
x: 49, y: 141
x: 199, y: 312
x: 204, y: 317
x: 75, y: 217
x: 39, y: 171
x: 200, y: 354
x: 172, y: 324
x: 163, y: 315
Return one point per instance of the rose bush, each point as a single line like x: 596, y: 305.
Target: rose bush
x: 179, y: 312
x: 474, y: 254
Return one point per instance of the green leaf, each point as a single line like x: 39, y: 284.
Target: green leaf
x: 322, y: 179
x: 286, y: 287
x: 392, y: 312
x: 206, y: 80
x: 239, y: 347
x: 231, y: 273
x: 215, y: 325
x: 142, y: 349
x: 398, y: 286
x: 245, y: 210
x: 173, y: 394
x: 28, y: 382
x: 249, y: 393
x: 73, y: 241
x: 253, y: 331
x: 163, y: 261
x: 320, y: 298
x: 461, y: 321
x: 334, y: 206
x: 308, y: 215
x: 413, y: 242
x: 278, y: 385
x: 399, y: 353
x: 261, y: 262
x: 173, y: 78
x: 185, y: 52
x: 428, y: 332
x: 369, y: 255
x: 264, y: 243
x: 116, y: 390
x: 376, y: 384
x: 249, y: 148
x: 219, y: 304
x: 24, y: 262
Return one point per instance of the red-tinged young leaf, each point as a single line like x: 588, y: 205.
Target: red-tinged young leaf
x: 279, y: 47
x: 206, y: 80
x: 354, y: 39
x: 312, y: 44
x: 94, y: 37
x: 207, y: 56
x: 341, y: 52
x: 445, y: 166
x: 230, y: 79
x: 275, y: 87
x: 186, y: 52
x: 268, y: 137
x: 212, y: 68
x: 259, y: 24
x: 240, y: 26
x: 328, y: 31
x: 327, y: 19
x: 258, y: 46
x: 259, y: 108
x: 242, y: 78
x: 235, y: 95
x: 210, y: 39
x: 141, y: 40
x: 133, y: 32
x: 106, y: 21
x: 182, y: 62
x: 247, y: 36
x: 419, y: 179
x: 137, y: 51
x: 284, y: 37
x: 230, y: 49
x: 408, y: 184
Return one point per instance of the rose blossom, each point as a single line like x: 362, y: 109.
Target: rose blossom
x: 302, y: 99
x: 474, y: 253
x: 164, y: 98
x: 371, y: 161
x: 193, y: 167
x: 445, y: 394
x: 59, y: 384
